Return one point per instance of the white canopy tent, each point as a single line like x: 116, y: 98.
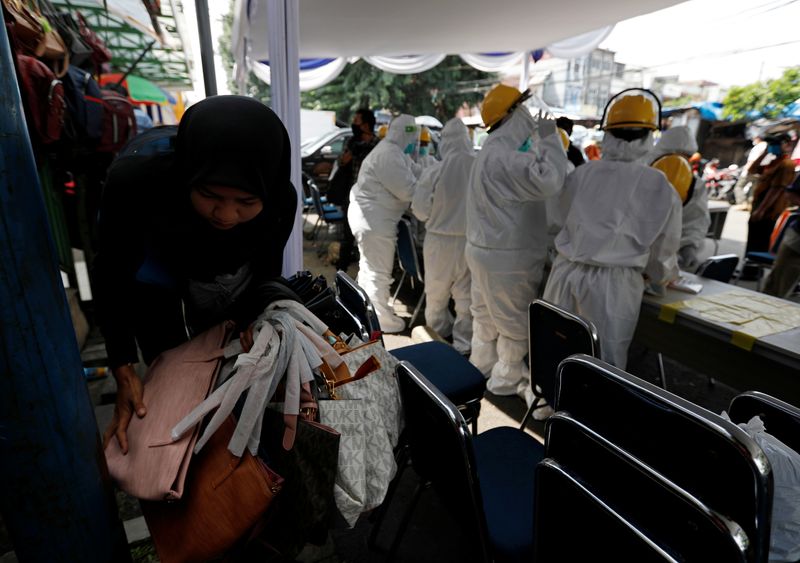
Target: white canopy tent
x: 314, y: 29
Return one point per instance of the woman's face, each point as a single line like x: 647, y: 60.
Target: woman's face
x: 225, y: 207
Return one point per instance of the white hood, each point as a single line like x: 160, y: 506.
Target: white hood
x: 455, y: 139
x: 398, y: 134
x: 625, y: 151
x: 679, y: 139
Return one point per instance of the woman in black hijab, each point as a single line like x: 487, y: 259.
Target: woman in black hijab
x: 196, y: 231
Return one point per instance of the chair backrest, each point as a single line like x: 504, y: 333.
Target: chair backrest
x: 407, y: 253
x: 681, y: 525
x: 442, y: 453
x: 707, y: 456
x: 719, y: 268
x: 344, y: 321
x: 554, y: 334
x: 573, y: 524
x: 358, y: 303
x: 316, y: 198
x: 782, y: 420
x: 784, y: 220
x: 717, y: 224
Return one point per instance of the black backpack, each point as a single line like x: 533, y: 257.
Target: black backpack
x: 84, y: 105
x: 158, y: 140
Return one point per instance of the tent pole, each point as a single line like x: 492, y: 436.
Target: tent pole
x: 55, y: 492
x: 284, y: 62
x: 206, y: 47
x: 524, y: 76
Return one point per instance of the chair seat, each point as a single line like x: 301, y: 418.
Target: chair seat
x: 450, y: 372
x: 761, y: 258
x: 506, y: 460
x: 334, y: 215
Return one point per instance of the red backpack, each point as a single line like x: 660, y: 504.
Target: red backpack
x: 119, y: 121
x: 44, y: 99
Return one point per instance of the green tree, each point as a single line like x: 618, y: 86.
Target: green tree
x: 769, y: 98
x: 438, y: 92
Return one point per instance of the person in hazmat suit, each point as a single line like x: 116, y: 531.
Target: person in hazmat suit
x: 425, y: 158
x: 621, y: 226
x: 383, y: 191
x: 440, y: 200
x: 696, y: 218
x: 521, y: 164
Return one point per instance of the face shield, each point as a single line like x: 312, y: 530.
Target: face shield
x: 634, y: 110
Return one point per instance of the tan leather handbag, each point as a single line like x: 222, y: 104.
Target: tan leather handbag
x: 28, y: 28
x: 225, y: 498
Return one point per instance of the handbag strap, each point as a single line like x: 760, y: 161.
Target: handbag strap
x: 301, y: 313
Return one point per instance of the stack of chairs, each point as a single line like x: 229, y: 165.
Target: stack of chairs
x: 691, y: 483
x: 628, y: 471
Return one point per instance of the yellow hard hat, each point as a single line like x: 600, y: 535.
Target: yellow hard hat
x: 634, y: 108
x: 424, y: 135
x: 382, y: 130
x: 564, y: 138
x: 499, y: 102
x: 679, y: 173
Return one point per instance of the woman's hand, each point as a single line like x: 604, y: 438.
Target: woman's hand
x: 246, y: 338
x: 129, y: 400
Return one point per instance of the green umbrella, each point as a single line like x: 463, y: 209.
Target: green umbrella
x: 140, y: 90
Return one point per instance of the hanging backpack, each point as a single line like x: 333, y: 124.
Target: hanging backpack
x: 84, y: 105
x: 44, y: 99
x: 119, y: 121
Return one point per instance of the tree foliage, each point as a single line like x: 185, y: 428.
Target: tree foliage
x: 440, y: 91
x: 769, y: 98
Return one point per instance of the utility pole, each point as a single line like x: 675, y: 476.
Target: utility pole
x: 55, y: 493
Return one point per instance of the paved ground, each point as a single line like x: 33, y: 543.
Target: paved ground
x: 431, y: 535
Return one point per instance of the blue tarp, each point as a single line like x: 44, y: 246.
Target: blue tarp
x: 711, y: 111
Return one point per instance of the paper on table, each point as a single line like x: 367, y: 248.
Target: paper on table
x: 752, y: 314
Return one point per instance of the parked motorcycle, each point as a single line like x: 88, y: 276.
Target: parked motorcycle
x: 720, y: 181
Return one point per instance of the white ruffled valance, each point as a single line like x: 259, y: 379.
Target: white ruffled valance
x: 310, y: 79
x: 411, y: 64
x: 325, y: 71
x: 579, y: 45
x: 494, y: 62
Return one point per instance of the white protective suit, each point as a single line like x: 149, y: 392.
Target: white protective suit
x: 441, y: 200
x: 381, y: 194
x: 507, y: 243
x: 696, y: 218
x: 621, y: 220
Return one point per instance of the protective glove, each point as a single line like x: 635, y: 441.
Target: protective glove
x: 547, y: 126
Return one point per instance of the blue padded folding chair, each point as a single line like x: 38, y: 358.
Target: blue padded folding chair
x: 782, y: 420
x: 327, y: 213
x: 764, y: 260
x: 408, y: 256
x: 571, y: 523
x: 485, y: 481
x: 358, y: 303
x: 449, y: 371
x: 710, y: 458
x: 720, y: 268
x: 554, y: 334
x: 681, y: 525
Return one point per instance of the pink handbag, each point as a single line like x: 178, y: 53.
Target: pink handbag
x: 176, y: 382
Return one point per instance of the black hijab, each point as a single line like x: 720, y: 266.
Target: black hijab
x: 238, y: 142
